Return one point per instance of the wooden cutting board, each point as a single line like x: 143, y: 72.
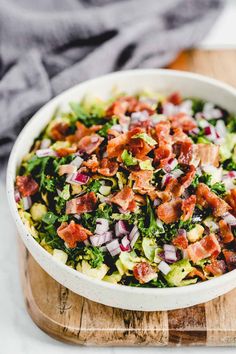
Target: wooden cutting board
x: 72, y: 318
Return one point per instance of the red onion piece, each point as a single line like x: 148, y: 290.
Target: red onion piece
x: 221, y: 128
x: 170, y: 257
x: 17, y: 196
x: 27, y: 202
x: 45, y: 152
x: 121, y: 228
x: 182, y: 232
x: 164, y: 267
x: 169, y: 248
x: 77, y: 216
x: 99, y: 240
x: 133, y: 236
x: 125, y: 244
x: 230, y: 219
x: 139, y: 116
x: 45, y: 143
x: 231, y: 174
x: 77, y: 161
x: 102, y: 226
x: 166, y: 179
x: 78, y: 177
x: 156, y: 202
x: 113, y: 247
x: 177, y: 173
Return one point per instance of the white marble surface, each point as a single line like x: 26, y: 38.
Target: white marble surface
x: 18, y: 334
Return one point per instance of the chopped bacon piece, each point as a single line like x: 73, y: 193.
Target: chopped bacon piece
x: 116, y: 146
x: 226, y: 233
x: 205, y: 197
x: 208, y: 246
x: 231, y: 199
x: 64, y: 151
x: 108, y: 168
x: 169, y: 212
x: 180, y: 136
x: 92, y: 164
x: 144, y: 272
x: 81, y: 131
x: 195, y: 272
x: 163, y: 133
x: 183, y: 121
x: 83, y: 204
x: 63, y: 169
x: 26, y: 185
x: 208, y: 154
x: 90, y: 143
x: 172, y: 190
x: 230, y: 258
x: 124, y: 198
x: 187, y: 179
x: 162, y: 155
x: 139, y: 148
x: 142, y: 181
x: 72, y: 233
x: 180, y: 241
x: 217, y: 267
x: 175, y: 98
x: 186, y: 152
x: 59, y: 131
x: 128, y: 104
x: 188, y: 206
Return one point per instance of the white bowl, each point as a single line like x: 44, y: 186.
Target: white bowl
x: 144, y: 299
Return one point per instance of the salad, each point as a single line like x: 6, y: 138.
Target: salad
x: 136, y: 190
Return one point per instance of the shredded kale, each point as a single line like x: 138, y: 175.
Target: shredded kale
x: 106, y: 126
x: 146, y: 222
x: 81, y: 115
x: 96, y: 257
x: 94, y: 186
x: 218, y: 187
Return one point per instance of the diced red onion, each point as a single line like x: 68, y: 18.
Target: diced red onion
x: 45, y: 143
x: 169, y: 248
x: 113, y: 247
x: 173, y: 163
x: 46, y: 152
x: 210, y: 133
x: 99, y: 240
x: 210, y: 112
x: 125, y: 241
x: 133, y: 236
x: 164, y: 267
x: 230, y: 219
x: 77, y: 161
x: 169, y: 109
x: 27, y: 202
x: 231, y: 174
x: 102, y: 226
x: 78, y: 177
x: 195, y: 131
x: 139, y: 116
x: 182, y: 232
x: 17, y: 196
x: 117, y: 128
x: 221, y: 128
x: 170, y: 257
x: 156, y: 202
x: 77, y: 216
x: 166, y: 179
x: 177, y: 173
x: 122, y: 211
x: 94, y: 139
x: 121, y: 228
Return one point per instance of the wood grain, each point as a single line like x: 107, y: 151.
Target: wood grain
x: 71, y: 318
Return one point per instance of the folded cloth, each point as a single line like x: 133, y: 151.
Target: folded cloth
x: 47, y: 46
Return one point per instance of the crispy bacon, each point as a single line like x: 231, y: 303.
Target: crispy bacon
x: 217, y: 267
x: 186, y: 152
x: 144, y: 272
x: 205, y: 197
x: 128, y: 104
x: 187, y: 178
x: 231, y: 199
x: 169, y: 212
x: 116, y: 146
x: 81, y: 131
x: 172, y: 190
x: 208, y: 154
x: 195, y: 272
x: 180, y: 241
x: 59, y: 131
x: 175, y: 98
x: 90, y: 143
x: 72, y: 233
x: 207, y: 247
x: 142, y: 181
x: 92, y: 163
x: 124, y: 198
x: 183, y: 121
x: 180, y: 136
x: 65, y: 151
x: 139, y: 148
x: 226, y: 233
x: 26, y: 185
x: 83, y: 204
x: 108, y: 168
x: 162, y: 130
x: 230, y: 258
x: 187, y: 207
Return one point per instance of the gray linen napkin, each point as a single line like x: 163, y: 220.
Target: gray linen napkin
x: 47, y: 46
